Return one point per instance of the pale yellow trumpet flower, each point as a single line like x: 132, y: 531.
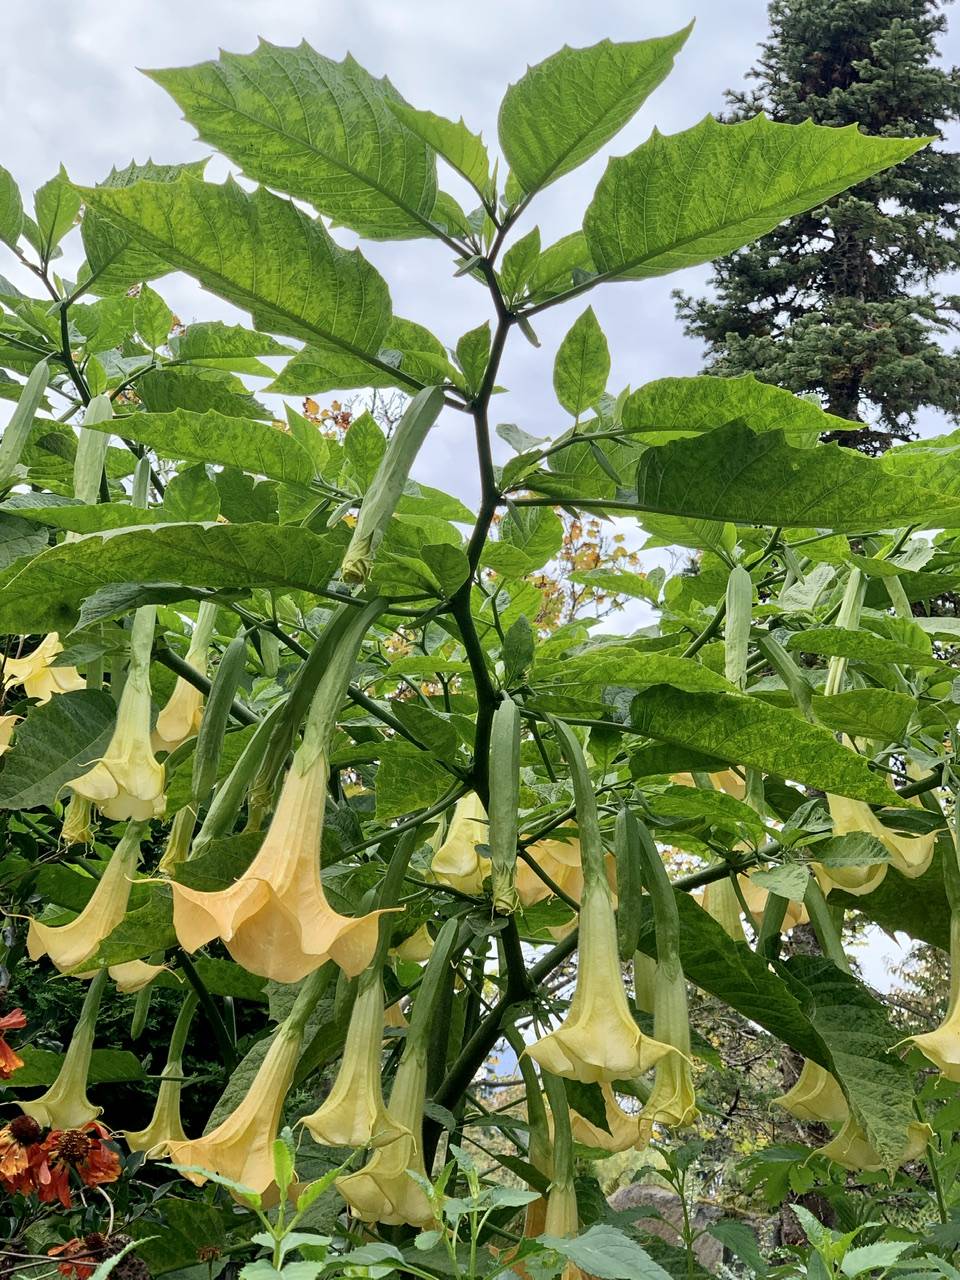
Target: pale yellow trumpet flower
x: 65, y: 1104
x: 180, y: 719
x: 166, y: 1128
x: 456, y: 861
x: 942, y: 1045
x: 910, y: 855
x: 815, y: 1097
x: 38, y: 677
x: 851, y: 1149
x: 755, y: 896
x: 622, y: 1132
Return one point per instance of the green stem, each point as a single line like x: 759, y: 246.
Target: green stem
x: 226, y: 1047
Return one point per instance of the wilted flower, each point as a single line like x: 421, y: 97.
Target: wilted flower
x: 456, y: 861
x: 816, y: 1097
x: 39, y: 678
x: 71, y: 945
x: 82, y: 1151
x: 18, y: 1142
x: 353, y: 1113
x: 10, y: 1061
x: 622, y: 1131
x: 851, y: 1149
x: 77, y: 826
x: 241, y: 1146
x: 383, y: 1190
x: 599, y: 1039
x: 275, y: 920
x: 65, y: 1104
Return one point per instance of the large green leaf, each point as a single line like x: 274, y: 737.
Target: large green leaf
x: 582, y: 365
x: 233, y: 347
x: 259, y: 252
x: 760, y: 478
x: 57, y: 741
x: 682, y: 199
x: 744, y: 730
x: 410, y: 358
x: 317, y: 129
x: 862, y: 646
x: 916, y: 907
x: 11, y: 209
x: 45, y: 595
x: 935, y: 462
x: 673, y: 407
x: 566, y: 107
x: 185, y: 436
x: 107, y: 1066
x: 171, y: 387
x: 462, y: 149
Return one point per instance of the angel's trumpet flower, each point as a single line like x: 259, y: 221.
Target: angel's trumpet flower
x: 622, y: 1131
x: 7, y: 726
x: 599, y: 1039
x: 560, y: 859
x: 456, y: 861
x: 133, y: 975
x: 353, y: 1113
x: 942, y: 1046
x: 241, y: 1146
x: 721, y: 902
x: 39, y: 678
x: 562, y: 1216
x: 910, y: 855
x: 65, y: 1104
x: 77, y: 824
x: 70, y: 945
x: 727, y: 780
x: 180, y: 718
x: 165, y: 1127
x: 672, y: 1100
x: 179, y: 836
x: 275, y: 920
x: 816, y: 1097
x: 851, y: 1148
x: 128, y: 781
x: 416, y: 948
x: 755, y: 896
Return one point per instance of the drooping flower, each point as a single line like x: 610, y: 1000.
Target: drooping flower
x: 910, y: 855
x: 383, y: 1190
x: 622, y: 1131
x: 128, y: 781
x: 353, y: 1113
x: 178, y: 840
x: 275, y: 920
x: 65, y: 1104
x: 456, y: 861
x: 416, y: 948
x: 10, y: 1061
x: 851, y: 1148
x: 720, y: 901
x: 38, y: 677
x: 755, y: 896
x: 672, y: 1100
x: 165, y: 1127
x: 77, y: 825
x: 82, y: 1151
x: 815, y: 1097
x: 560, y: 859
x: 179, y: 720
x: 942, y: 1045
x: 18, y: 1142
x: 70, y: 945
x: 599, y: 1039
x: 7, y: 726
x: 133, y: 975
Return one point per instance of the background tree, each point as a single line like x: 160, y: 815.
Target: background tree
x: 845, y: 300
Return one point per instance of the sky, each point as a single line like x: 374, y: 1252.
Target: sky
x: 71, y: 93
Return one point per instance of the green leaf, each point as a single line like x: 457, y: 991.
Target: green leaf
x: 192, y: 495
x: 519, y: 263
x: 582, y: 366
x: 862, y: 646
x: 744, y: 730
x: 566, y: 107
x: 57, y: 741
x: 11, y: 209
x: 473, y: 352
x: 873, y: 1257
x: 115, y: 260
x: 46, y: 594
x: 142, y: 932
x: 737, y: 475
x: 463, y: 151
x: 19, y: 538
x: 170, y: 387
x: 364, y: 446
x: 153, y: 319
x: 671, y: 408
x: 607, y: 1253
x: 529, y: 538
x: 226, y: 346
x: 56, y: 205
x: 689, y: 197
x: 319, y: 130
x: 259, y: 252
x: 107, y: 1066
x: 408, y: 780
x: 410, y: 358
x: 189, y: 1226
x: 561, y: 266
x: 185, y: 436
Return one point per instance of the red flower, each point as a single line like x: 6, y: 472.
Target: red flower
x: 18, y: 1143
x: 9, y: 1061
x: 80, y: 1257
x: 81, y: 1150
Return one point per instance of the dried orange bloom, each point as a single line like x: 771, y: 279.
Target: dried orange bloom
x: 10, y: 1061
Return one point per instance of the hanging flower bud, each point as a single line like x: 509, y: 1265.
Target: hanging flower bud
x: 178, y: 840
x: 77, y: 825
x: 165, y: 1127
x: 622, y: 1131
x: 133, y: 975
x: 70, y: 945
x: 353, y: 1114
x: 39, y: 678
x: 416, y: 948
x: 180, y: 718
x: 65, y: 1104
x: 851, y: 1149
x: 599, y: 1039
x: 241, y: 1146
x: 456, y: 861
x: 127, y: 782
x: 816, y: 1097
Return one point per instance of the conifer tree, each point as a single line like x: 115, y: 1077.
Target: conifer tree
x: 851, y: 300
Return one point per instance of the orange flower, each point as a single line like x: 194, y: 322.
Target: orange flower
x: 18, y: 1140
x: 79, y: 1259
x: 9, y: 1061
x: 83, y: 1151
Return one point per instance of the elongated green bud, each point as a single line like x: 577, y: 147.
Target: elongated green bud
x: 591, y: 845
x: 21, y: 421
x: 435, y: 975
x: 225, y: 807
x: 216, y: 714
x: 92, y: 446
x: 626, y: 844
x: 736, y: 634
x: 381, y: 498
x: 504, y: 803
x: 848, y: 618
